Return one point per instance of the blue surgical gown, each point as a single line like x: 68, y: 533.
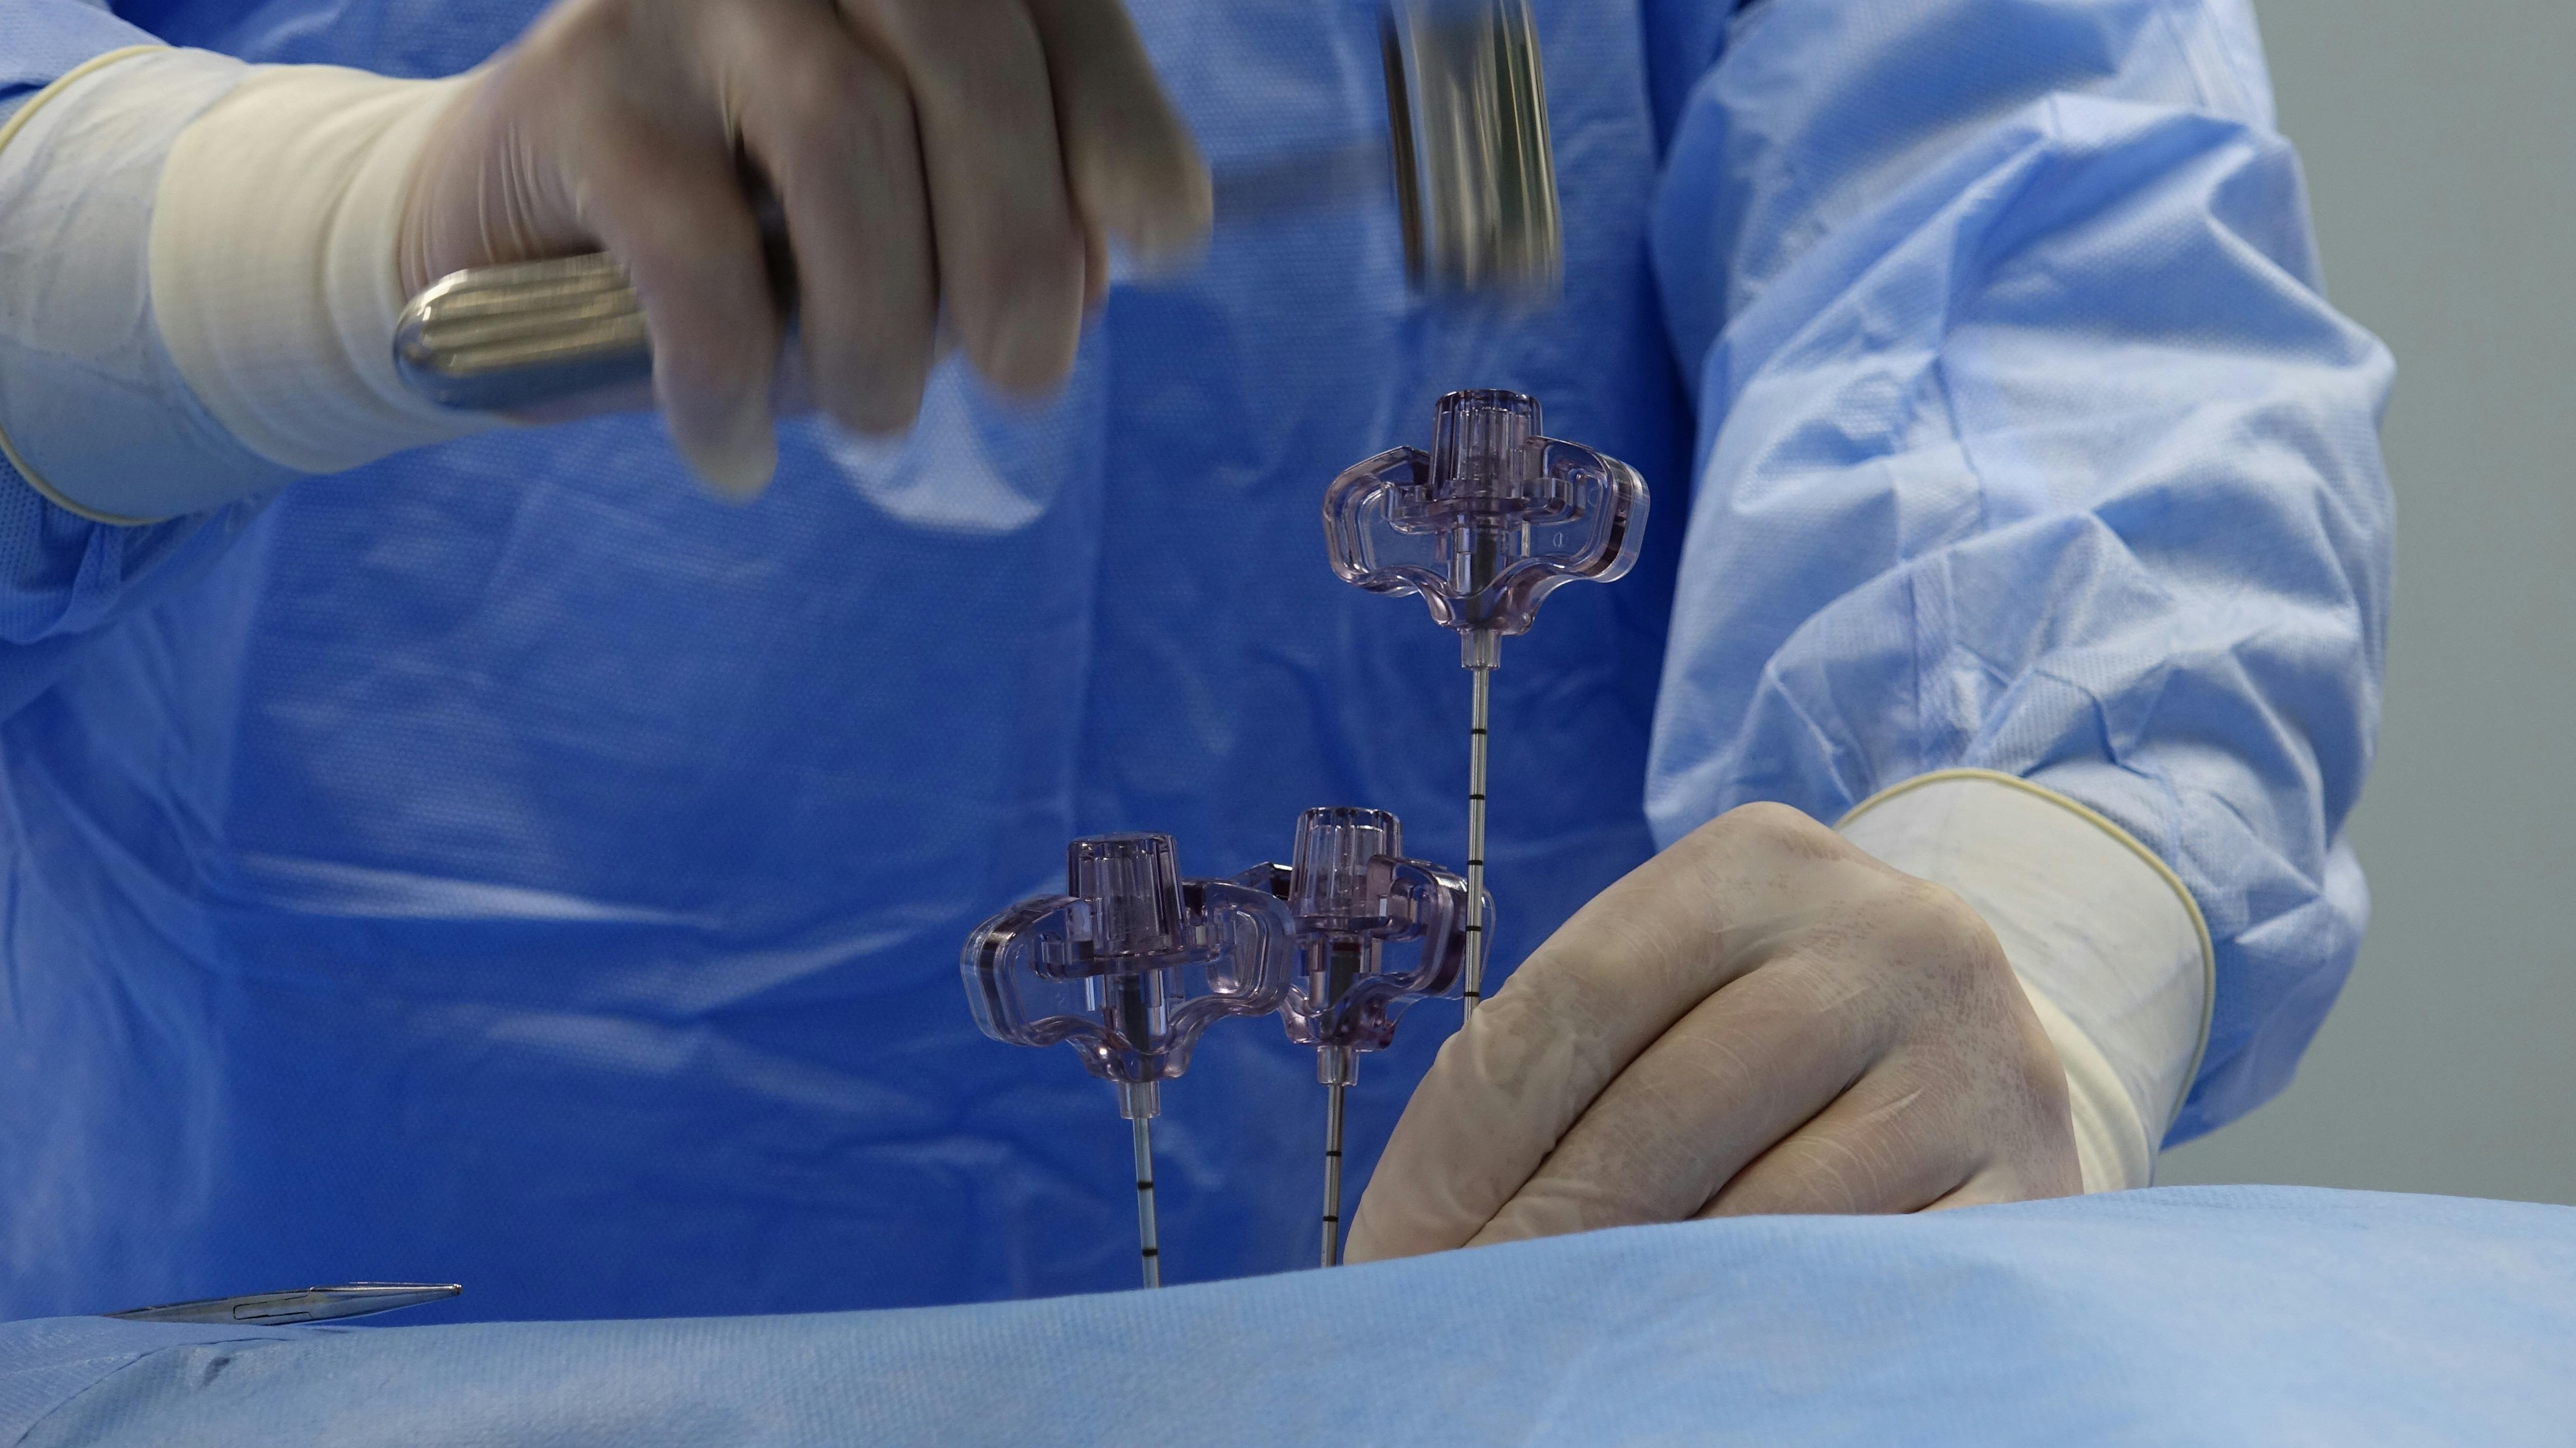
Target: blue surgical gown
x: 503, y: 864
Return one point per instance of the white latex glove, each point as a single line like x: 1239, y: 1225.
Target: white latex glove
x: 1762, y: 1018
x: 964, y: 155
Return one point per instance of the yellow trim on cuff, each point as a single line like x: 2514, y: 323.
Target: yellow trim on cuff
x: 9, y: 132
x: 2182, y: 892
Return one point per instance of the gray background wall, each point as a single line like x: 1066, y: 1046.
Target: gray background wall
x: 2440, y: 143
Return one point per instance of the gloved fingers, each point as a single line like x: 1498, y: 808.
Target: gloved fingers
x: 915, y: 147
x: 1134, y: 170
x: 1482, y: 1119
x: 831, y: 127
x: 1010, y: 252
x: 1894, y: 1142
x: 1613, y: 979
x: 672, y: 210
x: 1743, y: 1070
x: 496, y: 198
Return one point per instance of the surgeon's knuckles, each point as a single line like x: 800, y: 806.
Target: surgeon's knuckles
x: 592, y: 49
x: 576, y: 35
x: 1771, y: 830
x: 964, y: 60
x: 820, y: 101
x: 1943, y: 947
x: 1976, y: 1043
x: 1764, y: 862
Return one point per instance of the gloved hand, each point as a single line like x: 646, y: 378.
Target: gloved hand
x: 1762, y: 1018
x: 926, y: 154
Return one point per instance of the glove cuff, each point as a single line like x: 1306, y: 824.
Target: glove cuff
x: 2109, y: 946
x: 274, y: 262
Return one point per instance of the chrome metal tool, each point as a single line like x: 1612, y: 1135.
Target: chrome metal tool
x: 303, y: 1304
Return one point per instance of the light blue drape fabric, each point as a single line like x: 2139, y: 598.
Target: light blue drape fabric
x: 41, y: 39
x: 2196, y: 1315
x: 503, y: 864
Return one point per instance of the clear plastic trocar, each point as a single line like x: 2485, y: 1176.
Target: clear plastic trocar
x: 1129, y: 967
x: 1490, y: 521
x: 1483, y: 527
x: 1353, y: 895
x: 1375, y: 933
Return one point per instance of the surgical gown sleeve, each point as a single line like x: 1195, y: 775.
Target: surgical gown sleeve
x: 2028, y: 443
x: 42, y: 40
x: 64, y: 575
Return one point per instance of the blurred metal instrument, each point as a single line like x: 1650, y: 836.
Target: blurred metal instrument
x: 1472, y: 172
x: 304, y: 1304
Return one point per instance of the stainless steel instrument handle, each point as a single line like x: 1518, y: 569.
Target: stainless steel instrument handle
x: 1468, y: 161
x: 303, y: 1304
x: 496, y: 337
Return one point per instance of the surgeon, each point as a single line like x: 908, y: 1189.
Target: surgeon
x: 533, y: 852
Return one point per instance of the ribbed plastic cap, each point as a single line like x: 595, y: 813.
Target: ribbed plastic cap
x: 1133, y: 885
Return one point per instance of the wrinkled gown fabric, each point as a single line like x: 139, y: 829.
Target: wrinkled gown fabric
x: 503, y: 864
x: 2186, y: 1315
